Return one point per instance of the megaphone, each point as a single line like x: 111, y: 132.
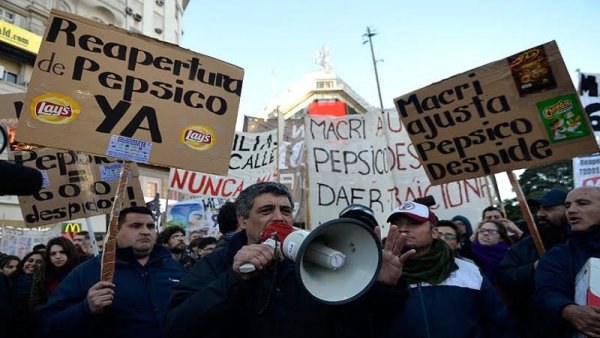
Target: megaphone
x: 336, y: 263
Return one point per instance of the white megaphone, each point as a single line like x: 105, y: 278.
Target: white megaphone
x: 336, y: 263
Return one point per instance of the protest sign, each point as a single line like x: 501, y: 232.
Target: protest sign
x: 586, y: 169
x: 589, y: 83
x: 368, y: 159
x: 253, y: 159
x: 197, y: 214
x: 76, y: 185
x: 107, y: 91
x: 514, y: 113
x: 292, y: 158
x: 19, y: 241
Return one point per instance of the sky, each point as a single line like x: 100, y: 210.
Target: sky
x: 417, y: 42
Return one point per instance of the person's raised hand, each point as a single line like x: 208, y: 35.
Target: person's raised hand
x: 393, y: 256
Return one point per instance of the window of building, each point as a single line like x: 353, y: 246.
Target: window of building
x: 10, y: 77
x: 324, y: 84
x: 7, y: 16
x: 151, y: 185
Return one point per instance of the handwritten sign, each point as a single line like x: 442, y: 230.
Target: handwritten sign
x: 75, y: 186
x: 518, y: 112
x: 368, y: 159
x: 106, y: 91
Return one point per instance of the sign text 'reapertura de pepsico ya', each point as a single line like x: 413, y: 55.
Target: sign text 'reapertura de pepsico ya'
x: 106, y: 91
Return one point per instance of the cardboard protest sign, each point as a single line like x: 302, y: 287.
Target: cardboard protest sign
x: 253, y: 159
x: 368, y: 159
x: 103, y: 90
x: 514, y: 113
x: 76, y: 185
x: 292, y: 158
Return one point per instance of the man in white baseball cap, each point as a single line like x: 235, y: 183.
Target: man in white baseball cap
x: 438, y: 281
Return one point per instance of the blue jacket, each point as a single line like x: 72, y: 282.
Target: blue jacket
x: 556, y: 272
x: 139, y: 305
x: 465, y: 305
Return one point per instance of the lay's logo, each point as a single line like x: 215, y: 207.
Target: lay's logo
x: 198, y: 137
x: 54, y: 108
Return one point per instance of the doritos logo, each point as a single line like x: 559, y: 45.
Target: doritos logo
x: 54, y: 108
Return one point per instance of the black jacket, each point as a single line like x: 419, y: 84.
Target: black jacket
x: 212, y: 301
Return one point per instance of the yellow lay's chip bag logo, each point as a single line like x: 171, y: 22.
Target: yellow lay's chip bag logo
x: 54, y: 108
x: 198, y: 137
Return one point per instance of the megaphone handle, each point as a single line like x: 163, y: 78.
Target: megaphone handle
x: 249, y: 267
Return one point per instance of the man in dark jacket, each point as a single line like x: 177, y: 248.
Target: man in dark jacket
x: 134, y: 305
x: 449, y: 296
x: 228, y: 225
x: 557, y: 269
x: 516, y: 271
x: 269, y: 302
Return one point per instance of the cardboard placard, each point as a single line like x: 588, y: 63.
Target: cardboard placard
x: 103, y: 90
x: 514, y: 113
x: 76, y: 185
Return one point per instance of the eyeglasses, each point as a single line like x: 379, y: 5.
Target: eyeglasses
x: 487, y: 231
x: 448, y: 236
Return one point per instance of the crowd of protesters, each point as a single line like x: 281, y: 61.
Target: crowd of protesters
x: 439, y: 278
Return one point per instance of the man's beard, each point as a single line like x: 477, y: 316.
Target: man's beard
x: 178, y: 250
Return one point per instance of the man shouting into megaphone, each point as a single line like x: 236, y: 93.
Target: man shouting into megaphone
x: 217, y: 299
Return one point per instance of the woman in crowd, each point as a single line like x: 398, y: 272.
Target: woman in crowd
x: 490, y: 246
x: 9, y: 265
x: 61, y: 257
x: 20, y: 289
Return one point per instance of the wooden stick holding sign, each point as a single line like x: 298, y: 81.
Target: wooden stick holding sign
x: 533, y: 231
x: 110, y: 246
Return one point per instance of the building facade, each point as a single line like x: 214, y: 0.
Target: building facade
x: 22, y: 25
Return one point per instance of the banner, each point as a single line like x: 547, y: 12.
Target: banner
x: 253, y: 159
x: 368, y: 159
x: 514, y: 113
x: 76, y: 185
x: 19, y: 242
x: 292, y: 158
x: 107, y: 91
x: 586, y: 170
x: 198, y: 214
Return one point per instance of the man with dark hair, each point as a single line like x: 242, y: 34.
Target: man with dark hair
x: 206, y: 245
x: 228, y: 223
x: 134, y: 304
x: 516, y: 271
x: 269, y: 302
x: 557, y: 269
x: 448, y: 232
x: 449, y: 296
x: 173, y: 237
